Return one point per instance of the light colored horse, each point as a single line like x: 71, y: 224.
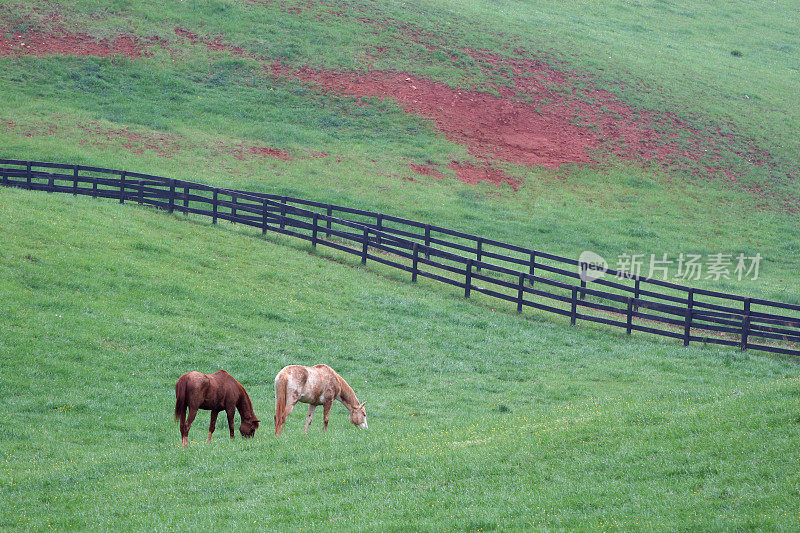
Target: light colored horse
x: 314, y: 385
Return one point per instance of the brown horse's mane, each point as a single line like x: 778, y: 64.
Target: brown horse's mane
x: 245, y: 406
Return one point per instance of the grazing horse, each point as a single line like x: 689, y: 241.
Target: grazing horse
x: 215, y: 392
x: 314, y: 385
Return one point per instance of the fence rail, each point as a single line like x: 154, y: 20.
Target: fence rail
x: 516, y: 274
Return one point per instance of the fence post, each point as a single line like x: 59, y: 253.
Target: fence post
x: 520, y: 292
x: 573, y: 313
x: 264, y: 217
x: 583, y: 280
x: 122, y: 187
x: 329, y: 213
x: 532, y: 268
x: 414, y: 268
x: 468, y: 279
x: 364, y: 247
x: 427, y: 240
x: 215, y: 206
x: 28, y: 174
x: 379, y: 224
x: 171, y: 195
x: 233, y: 208
x: 745, y: 324
x: 687, y: 328
x: 75, y: 181
x: 5, y: 175
x: 314, y: 230
x: 479, y: 254
x: 51, y: 183
x: 186, y: 200
x: 629, y: 322
x: 283, y: 212
x: 140, y: 185
x: 94, y: 187
x: 636, y: 294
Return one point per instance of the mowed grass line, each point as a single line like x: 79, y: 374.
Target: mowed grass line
x: 478, y: 419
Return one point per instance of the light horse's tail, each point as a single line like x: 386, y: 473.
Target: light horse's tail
x: 180, y: 399
x: 280, y: 402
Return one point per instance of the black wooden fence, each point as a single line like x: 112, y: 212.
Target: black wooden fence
x: 522, y: 276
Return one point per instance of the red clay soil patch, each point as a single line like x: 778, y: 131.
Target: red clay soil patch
x: 167, y: 144
x: 248, y: 151
x: 489, y: 126
x: 213, y: 44
x: 549, y: 118
x: 472, y: 174
x: 163, y: 144
x: 59, y: 42
x: 30, y: 130
x: 430, y: 171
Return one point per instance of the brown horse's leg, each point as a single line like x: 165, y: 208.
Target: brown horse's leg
x: 192, y: 412
x: 213, y: 424
x: 231, y: 412
x: 184, y: 432
x: 311, y: 408
x: 326, y: 409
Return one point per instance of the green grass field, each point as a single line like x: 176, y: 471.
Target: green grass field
x: 480, y: 419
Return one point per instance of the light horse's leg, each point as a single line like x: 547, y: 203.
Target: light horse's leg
x: 290, y: 403
x: 311, y: 408
x: 326, y: 409
x: 291, y: 400
x: 192, y: 412
x: 286, y: 412
x: 213, y: 424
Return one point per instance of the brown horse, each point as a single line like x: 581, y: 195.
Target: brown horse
x: 215, y: 392
x: 314, y: 385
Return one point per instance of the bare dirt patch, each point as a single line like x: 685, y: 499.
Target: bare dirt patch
x: 162, y: 144
x: 213, y: 44
x: 490, y: 127
x: 487, y: 173
x: 59, y: 42
x: 430, y: 171
x: 169, y: 145
x: 38, y: 129
x: 243, y: 151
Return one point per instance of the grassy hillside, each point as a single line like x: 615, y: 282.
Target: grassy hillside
x: 207, y: 107
x: 478, y: 419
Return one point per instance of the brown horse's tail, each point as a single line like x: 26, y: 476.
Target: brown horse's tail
x: 280, y: 403
x: 180, y: 399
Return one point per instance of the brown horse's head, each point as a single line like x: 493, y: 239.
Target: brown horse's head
x: 248, y: 427
x: 358, y: 416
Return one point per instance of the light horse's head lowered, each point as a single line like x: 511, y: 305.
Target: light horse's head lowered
x: 358, y: 416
